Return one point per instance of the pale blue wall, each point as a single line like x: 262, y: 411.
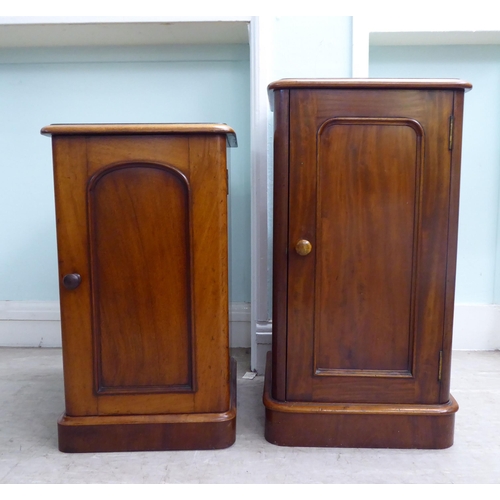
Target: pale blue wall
x: 312, y: 47
x: 137, y: 84
x: 478, y: 258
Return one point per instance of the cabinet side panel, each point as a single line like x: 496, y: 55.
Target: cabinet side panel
x: 140, y: 256
x: 208, y: 179
x: 456, y: 156
x: 70, y: 177
x: 280, y: 242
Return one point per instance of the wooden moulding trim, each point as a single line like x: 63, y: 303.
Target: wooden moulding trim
x: 396, y: 83
x: 142, y: 128
x: 176, y: 418
x: 436, y: 410
x: 93, y: 217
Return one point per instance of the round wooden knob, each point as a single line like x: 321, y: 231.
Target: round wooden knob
x: 71, y: 281
x: 303, y: 247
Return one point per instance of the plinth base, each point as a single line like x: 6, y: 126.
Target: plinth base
x: 346, y: 425
x: 190, y: 431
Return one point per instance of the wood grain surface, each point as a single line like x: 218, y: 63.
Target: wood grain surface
x: 365, y: 223
x: 142, y: 218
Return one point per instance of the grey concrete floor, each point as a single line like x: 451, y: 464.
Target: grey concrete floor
x: 31, y: 400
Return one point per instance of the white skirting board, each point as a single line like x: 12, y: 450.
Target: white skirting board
x: 37, y: 324
x: 239, y: 324
x: 476, y: 327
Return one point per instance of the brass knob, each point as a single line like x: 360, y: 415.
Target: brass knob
x: 71, y: 281
x: 303, y: 247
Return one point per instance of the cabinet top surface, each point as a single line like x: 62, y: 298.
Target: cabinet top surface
x: 142, y: 128
x: 368, y: 83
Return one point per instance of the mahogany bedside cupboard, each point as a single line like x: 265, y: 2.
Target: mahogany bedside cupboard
x: 366, y: 192
x: 142, y: 244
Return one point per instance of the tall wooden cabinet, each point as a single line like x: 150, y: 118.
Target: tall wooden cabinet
x: 365, y: 230
x: 142, y: 244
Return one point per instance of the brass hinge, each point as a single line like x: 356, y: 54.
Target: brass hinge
x: 450, y: 143
x: 440, y: 368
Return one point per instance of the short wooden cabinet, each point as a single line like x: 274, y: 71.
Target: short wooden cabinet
x: 142, y: 244
x: 365, y: 229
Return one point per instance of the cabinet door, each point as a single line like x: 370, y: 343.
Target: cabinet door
x: 369, y: 188
x: 143, y: 221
